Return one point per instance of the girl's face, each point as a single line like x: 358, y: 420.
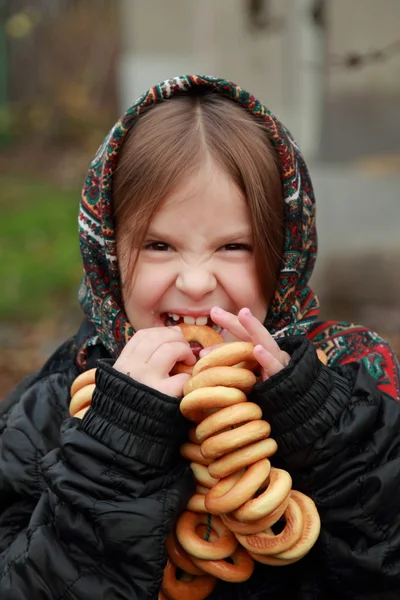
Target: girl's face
x: 197, y: 254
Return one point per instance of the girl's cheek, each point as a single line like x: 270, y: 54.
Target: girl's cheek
x: 152, y: 283
x: 239, y: 280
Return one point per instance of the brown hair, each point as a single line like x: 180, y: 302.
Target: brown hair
x: 169, y: 142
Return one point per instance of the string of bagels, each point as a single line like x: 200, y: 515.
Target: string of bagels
x: 243, y: 510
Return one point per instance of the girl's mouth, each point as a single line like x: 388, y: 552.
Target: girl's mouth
x: 170, y: 319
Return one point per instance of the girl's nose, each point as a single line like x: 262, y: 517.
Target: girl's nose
x: 196, y: 282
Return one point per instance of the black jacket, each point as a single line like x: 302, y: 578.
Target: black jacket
x: 86, y: 506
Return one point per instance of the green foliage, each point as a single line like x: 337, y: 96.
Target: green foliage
x: 40, y: 265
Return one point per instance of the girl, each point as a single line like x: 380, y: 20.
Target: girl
x: 198, y: 207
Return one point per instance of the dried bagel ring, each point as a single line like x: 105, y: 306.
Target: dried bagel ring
x: 272, y: 561
x: 196, y: 503
x: 322, y: 356
x: 230, y: 440
x: 202, y: 475
x: 311, y: 528
x: 227, y: 417
x: 203, y: 334
x: 85, y: 378
x: 192, y: 435
x: 227, y: 355
x: 189, y: 539
x: 250, y: 527
x: 241, y: 569
x: 243, y: 457
x: 195, y: 587
x: 278, y: 487
x: 266, y: 542
x: 229, y: 493
x: 81, y: 399
x: 226, y: 376
x: 81, y: 413
x: 180, y: 557
x: 194, y: 406
x: 192, y: 452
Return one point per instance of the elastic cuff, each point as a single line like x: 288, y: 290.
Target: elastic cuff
x: 303, y: 400
x: 134, y: 420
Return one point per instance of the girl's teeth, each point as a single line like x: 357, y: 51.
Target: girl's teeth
x: 201, y: 320
x: 189, y: 320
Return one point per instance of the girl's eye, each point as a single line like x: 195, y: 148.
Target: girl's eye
x: 233, y: 247
x: 158, y: 246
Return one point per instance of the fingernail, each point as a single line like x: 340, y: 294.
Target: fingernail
x: 176, y: 327
x: 217, y: 310
x: 246, y: 312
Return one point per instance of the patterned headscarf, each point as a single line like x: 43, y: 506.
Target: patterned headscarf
x: 294, y: 307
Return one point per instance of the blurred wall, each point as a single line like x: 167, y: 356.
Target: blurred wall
x: 362, y: 26
x: 318, y: 73
x: 279, y: 64
x: 163, y: 39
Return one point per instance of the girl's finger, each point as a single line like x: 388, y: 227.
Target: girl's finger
x: 167, y: 355
x: 173, y: 386
x: 269, y: 363
x: 257, y: 332
x: 228, y: 321
x: 145, y: 341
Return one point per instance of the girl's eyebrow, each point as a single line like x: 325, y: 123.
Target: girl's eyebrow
x: 244, y: 232
x: 157, y: 234
x: 234, y: 235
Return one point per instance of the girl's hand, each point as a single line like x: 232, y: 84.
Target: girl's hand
x: 151, y: 354
x: 247, y: 328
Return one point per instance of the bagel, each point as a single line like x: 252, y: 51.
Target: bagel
x: 201, y: 401
x: 196, y: 503
x: 192, y: 452
x: 227, y: 417
x: 80, y: 414
x: 266, y: 542
x: 202, y: 475
x: 243, y: 457
x: 85, y: 378
x: 81, y: 399
x: 272, y: 561
x: 232, y: 491
x: 241, y: 569
x: 224, y: 442
x: 322, y: 356
x: 203, y: 334
x: 250, y: 527
x: 227, y: 355
x: 190, y: 540
x: 244, y: 496
x: 195, y: 587
x: 278, y: 487
x: 180, y: 557
x: 311, y: 528
x: 226, y: 376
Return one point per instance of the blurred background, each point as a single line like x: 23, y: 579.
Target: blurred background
x: 330, y: 69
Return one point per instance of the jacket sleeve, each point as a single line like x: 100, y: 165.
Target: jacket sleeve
x: 339, y: 437
x: 103, y: 501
